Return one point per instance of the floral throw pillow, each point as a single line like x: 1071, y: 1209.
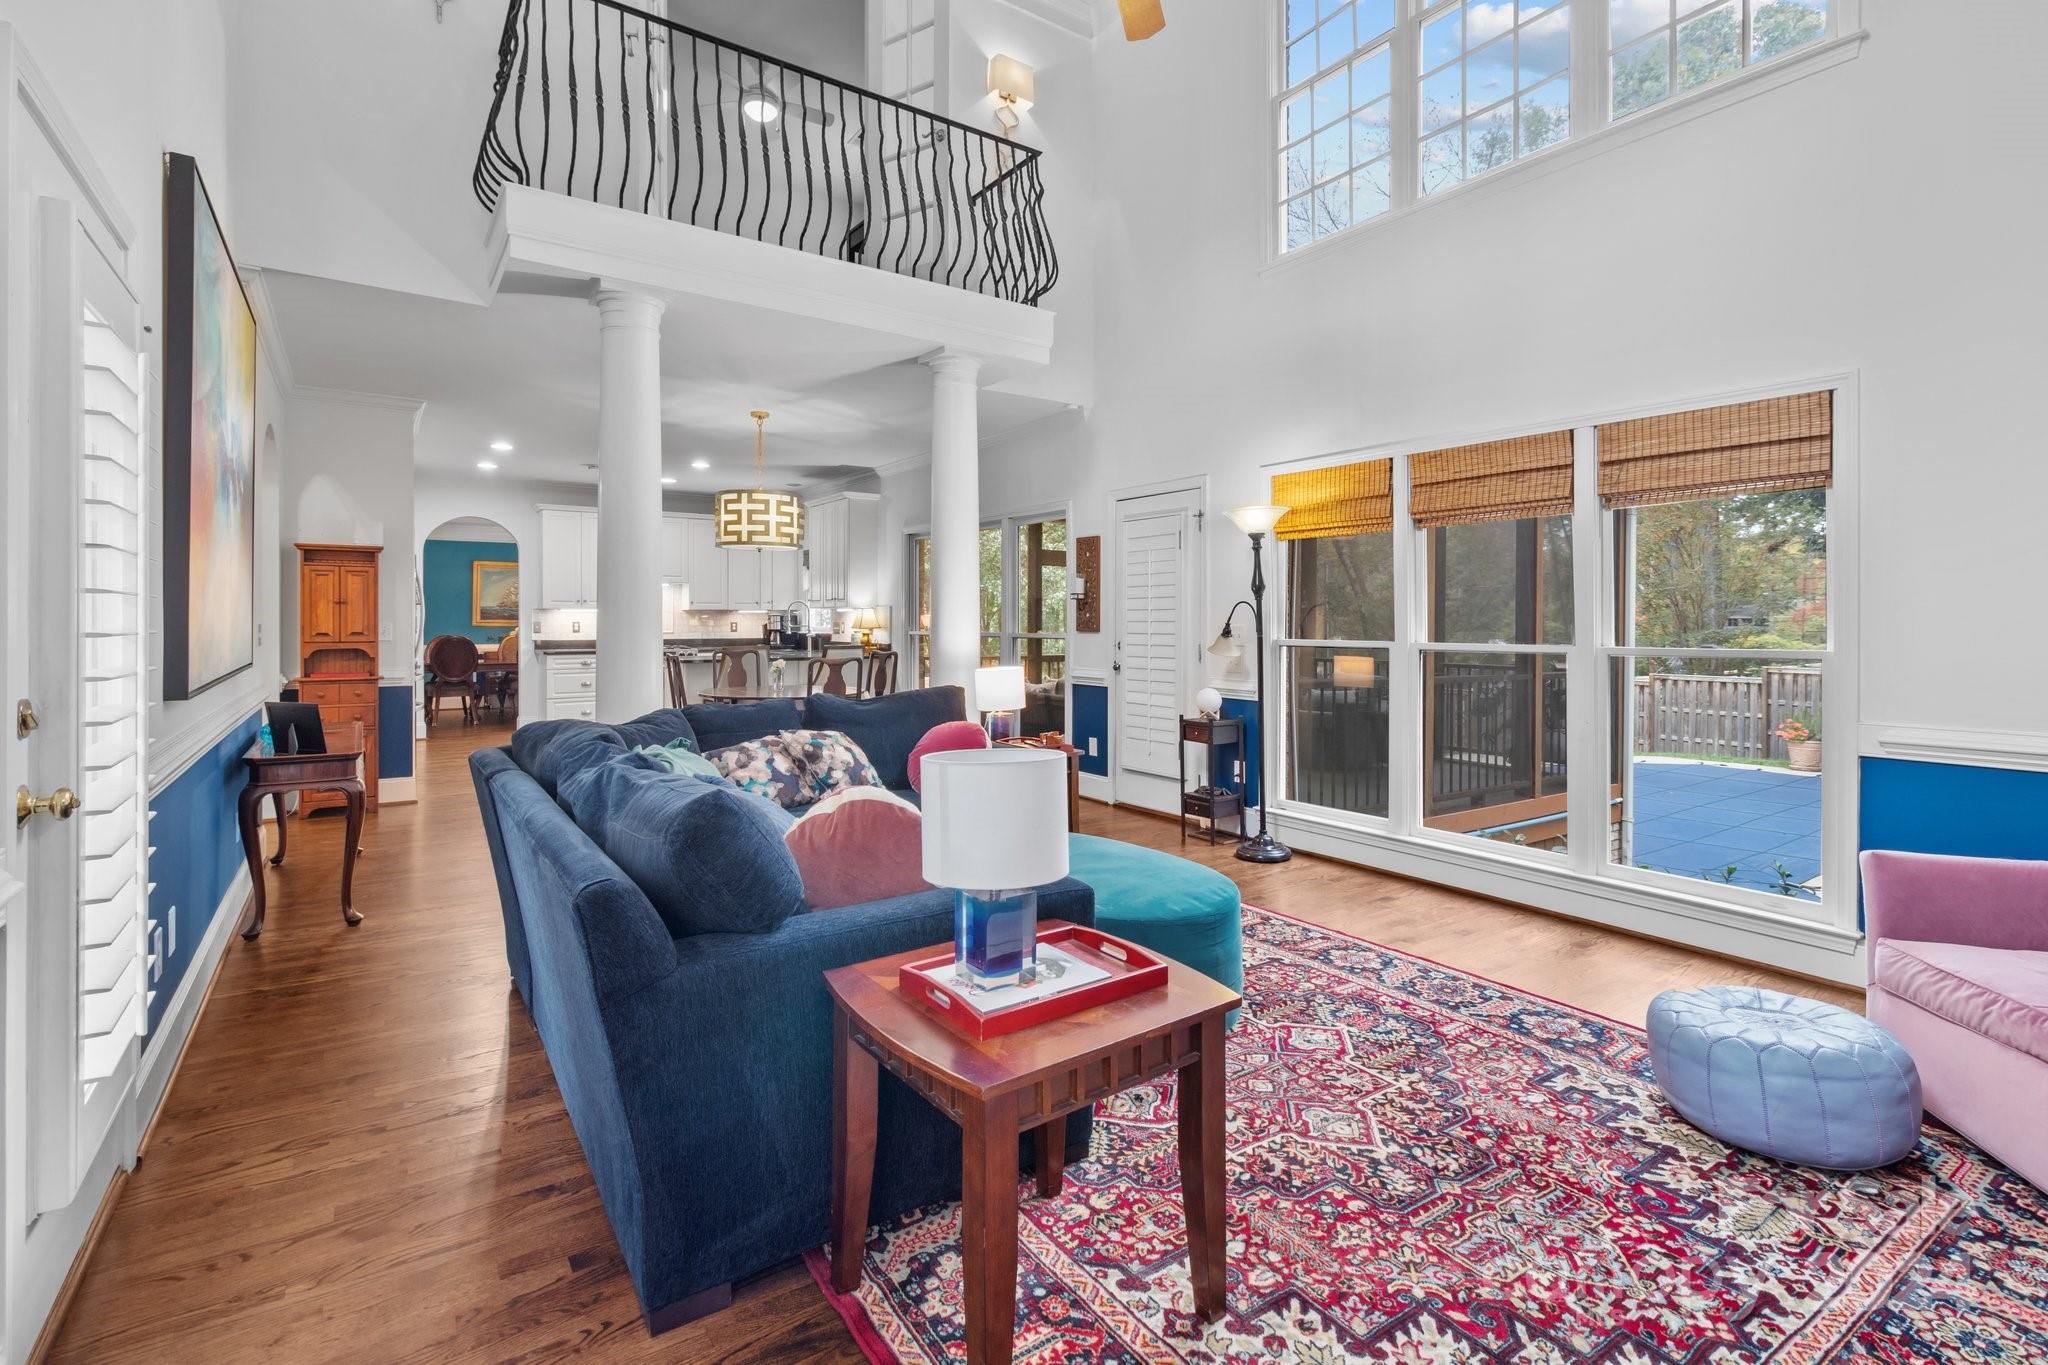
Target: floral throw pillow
x: 767, y: 768
x: 830, y: 762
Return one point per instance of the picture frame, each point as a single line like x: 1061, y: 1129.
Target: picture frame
x: 209, y: 446
x: 494, y: 592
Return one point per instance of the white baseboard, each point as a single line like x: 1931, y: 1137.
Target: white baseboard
x: 1098, y: 788
x: 397, y: 791
x: 160, y: 1057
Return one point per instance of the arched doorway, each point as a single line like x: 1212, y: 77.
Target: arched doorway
x: 469, y: 590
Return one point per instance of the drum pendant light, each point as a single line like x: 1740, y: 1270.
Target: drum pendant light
x: 760, y: 517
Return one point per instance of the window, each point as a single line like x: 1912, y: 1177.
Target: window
x: 1336, y: 117
x: 1496, y: 84
x: 909, y: 54
x: 1683, y: 686
x: 1381, y: 104
x: 1665, y: 47
x: 1022, y: 576
x: 921, y: 592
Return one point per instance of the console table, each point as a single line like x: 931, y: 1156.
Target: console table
x: 274, y: 775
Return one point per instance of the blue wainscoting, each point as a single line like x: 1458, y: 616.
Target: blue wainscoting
x: 1091, y: 721
x: 1954, y: 808
x: 394, y: 730
x: 1222, y: 770
x: 198, y: 848
x: 445, y: 584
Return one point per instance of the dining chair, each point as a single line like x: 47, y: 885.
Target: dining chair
x: 452, y: 661
x: 678, y: 691
x: 738, y: 667
x: 882, y: 673
x: 828, y: 675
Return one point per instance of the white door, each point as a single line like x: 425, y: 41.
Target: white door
x: 1154, y: 642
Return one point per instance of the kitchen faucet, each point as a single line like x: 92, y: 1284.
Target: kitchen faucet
x: 796, y: 617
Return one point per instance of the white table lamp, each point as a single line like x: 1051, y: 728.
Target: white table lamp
x: 999, y: 692
x: 995, y: 830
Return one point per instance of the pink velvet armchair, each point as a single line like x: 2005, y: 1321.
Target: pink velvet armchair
x: 1959, y: 972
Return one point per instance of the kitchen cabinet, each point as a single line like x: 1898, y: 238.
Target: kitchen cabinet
x: 571, y: 687
x: 675, y: 548
x: 842, y: 537
x: 706, y: 565
x: 743, y: 579
x: 568, y: 557
x: 782, y: 578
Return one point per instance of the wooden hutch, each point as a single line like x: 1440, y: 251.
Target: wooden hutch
x: 338, y: 662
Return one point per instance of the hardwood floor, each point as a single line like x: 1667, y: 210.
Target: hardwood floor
x: 365, y: 1158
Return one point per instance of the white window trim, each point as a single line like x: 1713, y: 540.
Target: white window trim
x: 1821, y: 939
x: 1593, y: 133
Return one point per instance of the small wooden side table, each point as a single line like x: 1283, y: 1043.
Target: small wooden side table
x: 1208, y: 801
x: 274, y: 775
x: 1022, y: 1082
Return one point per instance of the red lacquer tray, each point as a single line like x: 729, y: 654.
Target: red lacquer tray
x: 929, y: 982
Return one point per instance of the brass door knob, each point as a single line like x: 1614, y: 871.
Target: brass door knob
x: 59, y: 803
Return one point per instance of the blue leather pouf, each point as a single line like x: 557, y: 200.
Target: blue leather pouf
x: 1794, y: 1079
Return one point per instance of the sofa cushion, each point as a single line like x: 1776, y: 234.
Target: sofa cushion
x: 765, y: 768
x: 534, y: 746
x: 718, y: 726
x: 2001, y: 993
x: 709, y: 857
x: 944, y: 738
x: 573, y: 751
x: 858, y: 845
x: 887, y: 728
x: 667, y: 726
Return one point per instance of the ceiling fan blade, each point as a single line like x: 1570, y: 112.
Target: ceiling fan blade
x: 1142, y: 18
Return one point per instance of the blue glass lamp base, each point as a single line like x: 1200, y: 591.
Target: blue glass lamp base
x: 995, y: 938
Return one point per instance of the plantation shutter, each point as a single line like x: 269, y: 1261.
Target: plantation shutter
x: 1342, y: 500
x: 1523, y: 476
x: 1772, y: 445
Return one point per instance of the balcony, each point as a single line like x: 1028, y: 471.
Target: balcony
x: 601, y: 102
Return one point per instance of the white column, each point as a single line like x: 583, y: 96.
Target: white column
x: 956, y: 520
x: 629, y: 681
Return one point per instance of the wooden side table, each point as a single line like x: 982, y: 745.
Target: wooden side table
x: 1027, y: 1081
x: 1208, y: 801
x: 274, y: 775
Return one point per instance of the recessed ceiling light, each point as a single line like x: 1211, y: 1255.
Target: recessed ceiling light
x: 501, y: 445
x: 668, y: 478
x: 700, y: 464
x: 486, y: 465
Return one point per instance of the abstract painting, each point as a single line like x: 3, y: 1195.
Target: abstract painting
x: 209, y: 368
x: 493, y: 593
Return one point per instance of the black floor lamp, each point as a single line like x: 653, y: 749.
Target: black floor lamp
x: 1258, y: 523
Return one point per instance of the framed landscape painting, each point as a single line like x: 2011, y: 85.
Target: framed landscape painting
x: 494, y: 593
x: 209, y: 368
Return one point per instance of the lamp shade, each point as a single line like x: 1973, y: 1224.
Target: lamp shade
x: 760, y: 518
x: 999, y: 689
x: 994, y: 819
x: 1256, y: 521
x: 1226, y: 646
x: 1011, y: 79
x: 867, y: 618
x: 1352, y: 670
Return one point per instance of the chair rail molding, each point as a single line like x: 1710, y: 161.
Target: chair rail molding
x: 2018, y: 750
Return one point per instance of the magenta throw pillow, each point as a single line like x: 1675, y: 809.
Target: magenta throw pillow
x: 858, y: 845
x: 942, y: 738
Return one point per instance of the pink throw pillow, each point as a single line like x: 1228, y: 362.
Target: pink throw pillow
x: 858, y: 845
x: 943, y: 737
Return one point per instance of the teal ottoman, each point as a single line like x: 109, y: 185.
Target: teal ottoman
x: 1171, y: 905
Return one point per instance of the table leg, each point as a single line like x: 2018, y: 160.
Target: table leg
x: 1050, y: 1140
x: 246, y: 808
x: 1202, y: 1169
x: 277, y: 858
x: 353, y: 837
x: 988, y: 1227
x: 853, y: 1151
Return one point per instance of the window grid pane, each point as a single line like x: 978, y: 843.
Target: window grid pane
x: 1495, y: 86
x: 1334, y: 122
x: 1658, y: 48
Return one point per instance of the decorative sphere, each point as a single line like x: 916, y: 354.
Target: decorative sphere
x: 1209, y: 701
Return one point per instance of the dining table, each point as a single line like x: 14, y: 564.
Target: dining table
x: 743, y: 692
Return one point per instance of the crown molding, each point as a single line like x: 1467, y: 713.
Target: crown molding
x: 359, y: 398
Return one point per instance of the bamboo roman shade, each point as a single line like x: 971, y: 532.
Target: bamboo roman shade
x: 1771, y: 445
x: 1342, y: 500
x: 1524, y: 476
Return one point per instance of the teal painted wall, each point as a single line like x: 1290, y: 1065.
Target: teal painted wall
x: 445, y: 580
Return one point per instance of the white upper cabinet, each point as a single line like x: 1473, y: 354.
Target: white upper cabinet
x: 707, y: 565
x: 743, y: 579
x: 782, y: 575
x: 675, y: 548
x: 842, y: 535
x: 568, y: 557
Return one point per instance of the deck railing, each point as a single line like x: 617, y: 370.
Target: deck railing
x: 600, y: 101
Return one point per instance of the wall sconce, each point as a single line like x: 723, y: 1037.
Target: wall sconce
x: 1015, y: 87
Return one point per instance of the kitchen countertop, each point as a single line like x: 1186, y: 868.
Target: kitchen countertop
x: 587, y: 646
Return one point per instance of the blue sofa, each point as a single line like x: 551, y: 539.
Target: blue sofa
x: 696, y: 1067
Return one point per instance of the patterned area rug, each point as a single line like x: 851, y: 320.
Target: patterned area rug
x: 1427, y: 1167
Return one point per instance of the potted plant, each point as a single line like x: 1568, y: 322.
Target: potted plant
x: 1802, y: 741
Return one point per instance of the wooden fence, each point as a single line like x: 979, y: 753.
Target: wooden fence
x: 1722, y: 717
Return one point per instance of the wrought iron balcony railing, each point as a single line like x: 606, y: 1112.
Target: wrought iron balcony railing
x: 600, y: 101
